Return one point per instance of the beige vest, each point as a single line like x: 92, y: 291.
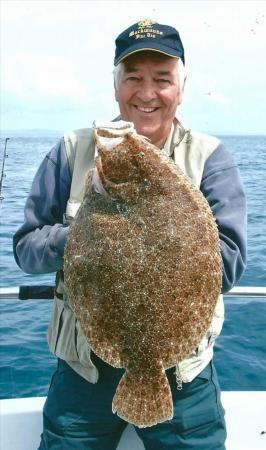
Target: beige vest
x: 65, y: 337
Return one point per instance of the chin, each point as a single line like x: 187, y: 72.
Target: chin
x: 147, y: 131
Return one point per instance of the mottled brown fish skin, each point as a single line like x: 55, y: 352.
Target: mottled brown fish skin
x: 143, y: 272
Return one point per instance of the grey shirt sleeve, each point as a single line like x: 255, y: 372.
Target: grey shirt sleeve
x: 223, y: 189
x: 39, y: 243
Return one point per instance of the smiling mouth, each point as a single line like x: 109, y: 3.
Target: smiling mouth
x: 146, y: 110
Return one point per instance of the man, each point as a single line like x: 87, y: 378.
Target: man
x: 149, y: 83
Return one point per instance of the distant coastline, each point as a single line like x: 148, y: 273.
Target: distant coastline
x: 44, y: 133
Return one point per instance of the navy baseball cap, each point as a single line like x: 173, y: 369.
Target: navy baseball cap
x: 149, y: 35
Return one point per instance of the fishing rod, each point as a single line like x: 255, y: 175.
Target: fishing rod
x: 3, y: 169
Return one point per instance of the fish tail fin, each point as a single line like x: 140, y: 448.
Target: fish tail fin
x: 143, y: 400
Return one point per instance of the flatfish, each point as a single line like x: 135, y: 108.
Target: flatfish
x: 142, y: 268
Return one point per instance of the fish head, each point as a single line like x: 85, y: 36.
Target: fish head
x: 118, y: 164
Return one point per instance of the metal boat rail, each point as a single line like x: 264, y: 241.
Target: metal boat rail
x: 44, y: 292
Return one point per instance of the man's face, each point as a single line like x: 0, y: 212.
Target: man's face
x: 148, y: 92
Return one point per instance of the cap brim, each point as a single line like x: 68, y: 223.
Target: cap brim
x: 153, y: 47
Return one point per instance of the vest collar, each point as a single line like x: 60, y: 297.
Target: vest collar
x: 175, y: 137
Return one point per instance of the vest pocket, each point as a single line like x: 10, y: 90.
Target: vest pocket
x: 62, y: 330
x: 53, y: 328
x: 65, y: 337
x: 82, y: 347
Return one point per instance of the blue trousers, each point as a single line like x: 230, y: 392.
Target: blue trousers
x: 77, y: 414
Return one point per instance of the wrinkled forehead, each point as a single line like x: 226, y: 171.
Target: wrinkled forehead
x: 145, y: 57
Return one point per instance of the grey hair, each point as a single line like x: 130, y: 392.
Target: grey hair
x: 180, y: 66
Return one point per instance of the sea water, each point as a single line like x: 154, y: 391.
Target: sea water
x: 26, y: 363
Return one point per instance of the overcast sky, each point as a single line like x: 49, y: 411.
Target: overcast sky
x: 57, y: 61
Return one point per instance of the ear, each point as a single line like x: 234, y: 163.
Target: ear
x: 184, y: 85
x: 116, y: 92
x: 181, y: 93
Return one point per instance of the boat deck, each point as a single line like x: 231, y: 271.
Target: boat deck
x: 21, y: 423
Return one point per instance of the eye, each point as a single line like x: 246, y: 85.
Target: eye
x: 132, y: 78
x: 163, y: 81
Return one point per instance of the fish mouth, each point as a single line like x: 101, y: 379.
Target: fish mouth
x: 146, y: 109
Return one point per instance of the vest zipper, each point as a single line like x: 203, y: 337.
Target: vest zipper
x: 178, y: 378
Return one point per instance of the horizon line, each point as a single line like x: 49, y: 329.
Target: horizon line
x: 58, y: 131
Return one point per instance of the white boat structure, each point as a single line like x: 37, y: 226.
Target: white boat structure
x: 21, y: 418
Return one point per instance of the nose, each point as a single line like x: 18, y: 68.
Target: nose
x: 146, y: 92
